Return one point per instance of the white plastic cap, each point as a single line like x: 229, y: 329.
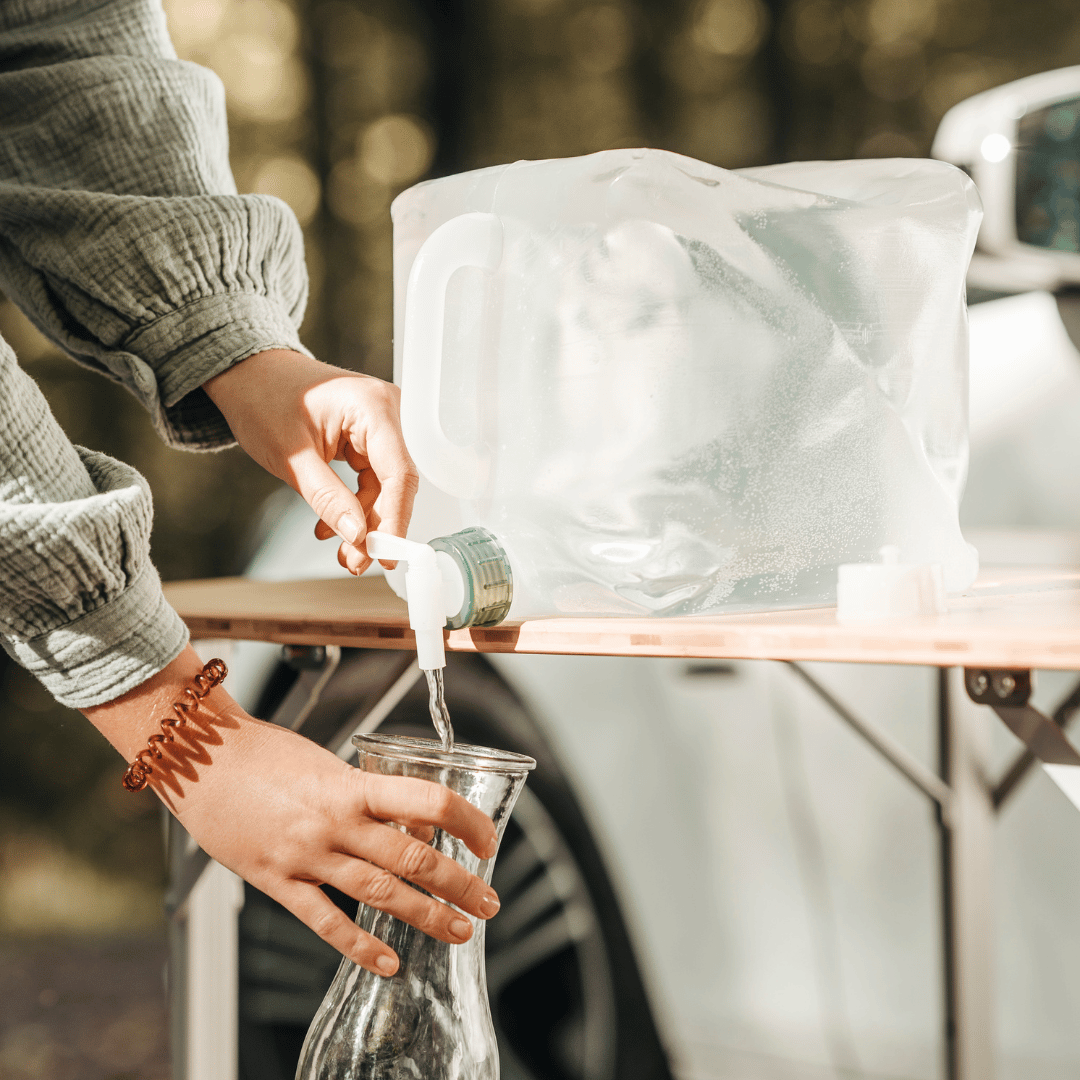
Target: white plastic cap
x: 868, y: 592
x: 423, y: 591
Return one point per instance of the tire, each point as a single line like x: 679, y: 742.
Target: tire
x: 567, y: 999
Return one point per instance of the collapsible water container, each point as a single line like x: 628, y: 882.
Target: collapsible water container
x: 656, y: 387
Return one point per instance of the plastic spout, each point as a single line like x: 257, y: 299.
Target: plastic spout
x: 423, y: 590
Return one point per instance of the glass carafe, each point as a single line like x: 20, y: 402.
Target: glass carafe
x: 431, y: 1020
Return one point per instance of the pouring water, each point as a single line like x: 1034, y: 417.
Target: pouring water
x: 440, y: 715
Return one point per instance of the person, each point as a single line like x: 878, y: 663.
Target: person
x: 123, y: 239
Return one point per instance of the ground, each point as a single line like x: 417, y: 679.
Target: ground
x: 73, y: 1009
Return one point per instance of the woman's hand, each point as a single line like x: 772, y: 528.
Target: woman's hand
x: 289, y: 816
x: 294, y: 415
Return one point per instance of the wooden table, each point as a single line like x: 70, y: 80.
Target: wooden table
x: 1014, y: 617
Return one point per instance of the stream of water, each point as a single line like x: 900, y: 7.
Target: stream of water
x: 440, y: 715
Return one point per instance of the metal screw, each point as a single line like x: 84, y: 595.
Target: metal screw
x: 1004, y: 685
x: 980, y: 683
x: 304, y: 657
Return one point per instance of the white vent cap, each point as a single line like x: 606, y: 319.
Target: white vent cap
x: 890, y: 589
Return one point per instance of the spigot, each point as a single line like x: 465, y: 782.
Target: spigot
x: 469, y: 583
x: 424, y: 591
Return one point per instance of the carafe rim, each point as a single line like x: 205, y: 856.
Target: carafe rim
x: 430, y: 752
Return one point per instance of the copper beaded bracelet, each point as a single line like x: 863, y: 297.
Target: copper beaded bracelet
x: 140, y: 769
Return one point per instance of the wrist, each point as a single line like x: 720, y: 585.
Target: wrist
x: 134, y: 721
x: 263, y: 370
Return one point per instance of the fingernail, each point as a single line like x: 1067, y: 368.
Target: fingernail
x: 489, y: 905
x: 460, y: 928
x: 348, y: 529
x: 386, y: 964
x: 492, y: 848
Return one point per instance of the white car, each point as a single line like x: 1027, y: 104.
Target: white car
x: 709, y: 875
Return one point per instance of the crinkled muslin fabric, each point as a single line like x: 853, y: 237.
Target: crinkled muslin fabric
x: 124, y: 241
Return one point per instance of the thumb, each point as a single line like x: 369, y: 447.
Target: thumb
x: 325, y: 492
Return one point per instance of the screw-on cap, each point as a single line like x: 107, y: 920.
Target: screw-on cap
x: 485, y: 569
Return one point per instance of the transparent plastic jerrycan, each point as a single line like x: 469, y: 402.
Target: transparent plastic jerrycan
x: 661, y: 388
x: 430, y: 1020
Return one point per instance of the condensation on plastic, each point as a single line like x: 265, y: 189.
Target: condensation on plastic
x: 686, y: 390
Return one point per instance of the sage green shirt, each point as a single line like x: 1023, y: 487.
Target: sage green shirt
x: 124, y: 241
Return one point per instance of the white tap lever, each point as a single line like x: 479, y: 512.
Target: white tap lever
x: 424, y: 591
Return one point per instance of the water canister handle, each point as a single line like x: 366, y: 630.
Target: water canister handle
x: 468, y: 240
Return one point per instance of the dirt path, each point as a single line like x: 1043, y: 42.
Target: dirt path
x: 78, y: 1010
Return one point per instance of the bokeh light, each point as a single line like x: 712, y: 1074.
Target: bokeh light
x: 995, y: 147
x: 292, y: 179
x: 194, y: 24
x: 816, y: 31
x: 730, y: 27
x: 396, y: 149
x: 887, y: 22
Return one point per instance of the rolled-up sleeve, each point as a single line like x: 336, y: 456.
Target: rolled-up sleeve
x: 80, y: 602
x: 121, y: 233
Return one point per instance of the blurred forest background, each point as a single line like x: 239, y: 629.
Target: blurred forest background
x: 337, y: 105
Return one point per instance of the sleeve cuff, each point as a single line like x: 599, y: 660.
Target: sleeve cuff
x: 109, y: 651
x: 197, y: 342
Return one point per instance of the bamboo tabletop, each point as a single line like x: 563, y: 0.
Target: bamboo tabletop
x: 1013, y: 616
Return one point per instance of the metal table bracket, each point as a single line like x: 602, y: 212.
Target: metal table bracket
x: 1008, y: 692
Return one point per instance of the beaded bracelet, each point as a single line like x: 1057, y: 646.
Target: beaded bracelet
x: 140, y: 769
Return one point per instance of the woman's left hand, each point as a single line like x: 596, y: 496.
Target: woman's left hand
x: 294, y: 415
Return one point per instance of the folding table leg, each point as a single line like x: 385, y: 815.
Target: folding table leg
x: 203, y: 976
x: 964, y: 800
x: 967, y: 879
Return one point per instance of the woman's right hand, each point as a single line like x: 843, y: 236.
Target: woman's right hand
x: 288, y: 816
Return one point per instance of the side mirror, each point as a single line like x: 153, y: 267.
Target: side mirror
x: 1020, y: 143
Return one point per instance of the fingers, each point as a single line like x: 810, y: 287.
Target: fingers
x: 388, y: 477
x: 313, y: 908
x: 396, y: 473
x: 391, y: 855
x: 328, y: 496
x: 379, y: 889
x: 356, y: 562
x: 412, y: 802
x: 366, y: 494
